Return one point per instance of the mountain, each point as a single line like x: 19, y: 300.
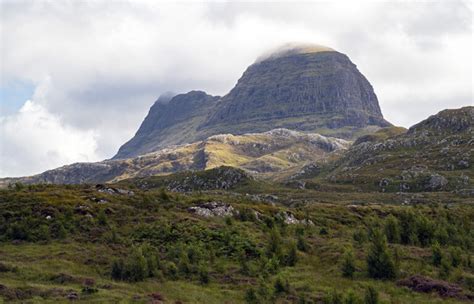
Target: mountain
x: 433, y: 155
x: 261, y: 154
x: 305, y: 88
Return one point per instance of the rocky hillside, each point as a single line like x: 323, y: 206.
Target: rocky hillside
x: 305, y: 88
x: 170, y: 122
x: 433, y: 155
x: 261, y: 154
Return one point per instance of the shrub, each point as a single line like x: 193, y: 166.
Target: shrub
x: 380, y: 264
x: 348, y: 264
x: 251, y: 296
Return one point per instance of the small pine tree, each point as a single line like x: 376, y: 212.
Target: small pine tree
x: 275, y: 243
x: 371, y: 296
x: 351, y: 297
x: 281, y: 285
x: 455, y: 253
x: 360, y: 236
x: 302, y: 244
x: 43, y: 233
x: 392, y: 229
x: 445, y: 269
x: 292, y: 255
x: 336, y: 297
x: 136, y: 266
x: 163, y: 195
x: 251, y: 296
x: 380, y: 264
x: 117, y: 269
x: 62, y: 232
x: 102, y: 218
x: 436, y: 254
x: 203, y: 275
x: 348, y: 264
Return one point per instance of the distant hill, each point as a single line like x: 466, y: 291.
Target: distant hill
x: 262, y: 154
x: 433, y: 155
x: 305, y: 88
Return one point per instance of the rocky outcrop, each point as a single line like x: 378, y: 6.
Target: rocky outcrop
x: 211, y: 209
x: 304, y: 88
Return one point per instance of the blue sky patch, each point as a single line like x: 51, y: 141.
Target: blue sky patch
x: 13, y: 96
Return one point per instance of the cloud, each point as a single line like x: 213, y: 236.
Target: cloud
x: 98, y: 65
x: 34, y: 139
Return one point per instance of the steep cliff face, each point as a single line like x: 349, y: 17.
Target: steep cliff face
x: 169, y: 122
x: 303, y: 91
x: 304, y: 88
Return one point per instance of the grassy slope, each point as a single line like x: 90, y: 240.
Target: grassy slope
x: 88, y: 248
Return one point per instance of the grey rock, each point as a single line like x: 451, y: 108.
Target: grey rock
x: 212, y: 209
x: 436, y: 182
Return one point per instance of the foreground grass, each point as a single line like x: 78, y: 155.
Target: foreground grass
x: 59, y: 242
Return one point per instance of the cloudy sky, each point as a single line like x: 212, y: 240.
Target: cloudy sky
x: 78, y: 77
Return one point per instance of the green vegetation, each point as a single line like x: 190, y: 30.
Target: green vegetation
x: 279, y: 245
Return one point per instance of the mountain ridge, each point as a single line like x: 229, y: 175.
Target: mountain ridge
x: 312, y: 89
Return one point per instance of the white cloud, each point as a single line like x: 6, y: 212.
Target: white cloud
x: 34, y: 139
x: 105, y: 62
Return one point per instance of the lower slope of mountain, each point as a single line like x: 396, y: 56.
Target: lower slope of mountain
x: 436, y: 154
x: 262, y: 154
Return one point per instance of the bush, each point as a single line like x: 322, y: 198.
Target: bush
x: 380, y: 264
x: 348, y: 264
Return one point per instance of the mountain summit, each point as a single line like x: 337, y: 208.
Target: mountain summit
x: 299, y: 87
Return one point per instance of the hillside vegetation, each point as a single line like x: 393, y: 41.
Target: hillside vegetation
x: 220, y: 236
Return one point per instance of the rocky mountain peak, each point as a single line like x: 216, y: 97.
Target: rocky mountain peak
x: 301, y: 87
